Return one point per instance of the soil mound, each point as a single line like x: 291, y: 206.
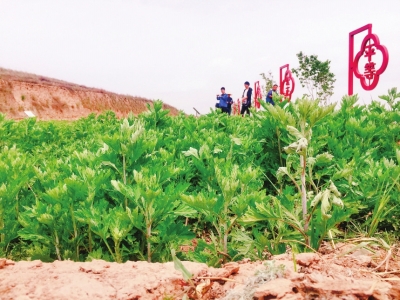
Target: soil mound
x: 52, y: 99
x: 337, y: 274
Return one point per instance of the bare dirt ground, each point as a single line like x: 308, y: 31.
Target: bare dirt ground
x: 331, y: 274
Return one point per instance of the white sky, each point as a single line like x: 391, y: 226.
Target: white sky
x: 183, y: 51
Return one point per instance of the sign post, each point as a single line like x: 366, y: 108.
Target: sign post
x: 369, y: 78
x: 236, y: 107
x: 286, y: 82
x: 257, y: 95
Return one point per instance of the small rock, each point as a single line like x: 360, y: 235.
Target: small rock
x: 85, y: 270
x: 98, y: 271
x: 283, y: 256
x: 395, y: 291
x: 232, y: 267
x: 226, y: 271
x: 3, y: 263
x: 361, y: 252
x: 316, y: 277
x: 36, y: 264
x: 203, y: 287
x: 294, y: 297
x: 10, y: 262
x: 293, y: 276
x: 306, y: 259
x: 363, y: 260
x: 274, y: 289
x: 244, y: 261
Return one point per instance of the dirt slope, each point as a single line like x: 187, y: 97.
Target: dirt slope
x: 52, y: 99
x: 336, y: 274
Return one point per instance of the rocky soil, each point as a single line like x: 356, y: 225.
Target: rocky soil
x: 336, y: 274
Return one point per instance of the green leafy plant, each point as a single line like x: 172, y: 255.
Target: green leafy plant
x: 154, y: 200
x: 15, y: 179
x: 391, y: 97
x: 131, y: 189
x: 225, y: 201
x: 299, y: 119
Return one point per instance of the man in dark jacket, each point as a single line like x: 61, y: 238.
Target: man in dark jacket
x: 230, y: 102
x: 270, y: 94
x: 246, y: 99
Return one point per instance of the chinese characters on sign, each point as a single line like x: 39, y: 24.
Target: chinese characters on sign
x: 369, y: 76
x: 286, y: 82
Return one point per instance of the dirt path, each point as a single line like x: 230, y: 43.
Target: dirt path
x: 317, y: 276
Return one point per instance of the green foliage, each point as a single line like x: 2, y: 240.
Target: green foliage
x: 133, y: 189
x: 316, y: 76
x: 300, y: 118
x: 391, y: 97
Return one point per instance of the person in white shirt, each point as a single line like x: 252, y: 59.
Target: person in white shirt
x: 246, y: 99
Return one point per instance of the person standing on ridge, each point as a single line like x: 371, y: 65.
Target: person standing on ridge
x: 223, y: 101
x: 230, y: 102
x: 270, y: 94
x: 246, y: 99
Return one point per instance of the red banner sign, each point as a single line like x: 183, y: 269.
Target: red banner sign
x: 236, y: 107
x: 369, y: 77
x: 286, y: 82
x: 257, y: 95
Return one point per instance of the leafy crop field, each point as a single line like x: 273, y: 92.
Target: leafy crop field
x: 212, y: 189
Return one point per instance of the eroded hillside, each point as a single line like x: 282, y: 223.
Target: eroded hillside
x: 52, y: 99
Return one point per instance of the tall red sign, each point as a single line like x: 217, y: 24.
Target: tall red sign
x: 286, y: 82
x: 369, y: 77
x: 257, y: 95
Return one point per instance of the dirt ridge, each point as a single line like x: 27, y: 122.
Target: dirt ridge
x: 53, y: 99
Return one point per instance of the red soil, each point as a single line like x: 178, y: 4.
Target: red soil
x: 333, y: 275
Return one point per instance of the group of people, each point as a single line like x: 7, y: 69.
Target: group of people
x: 226, y: 101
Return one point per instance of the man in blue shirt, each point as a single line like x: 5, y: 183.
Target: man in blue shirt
x: 223, y: 101
x: 270, y: 94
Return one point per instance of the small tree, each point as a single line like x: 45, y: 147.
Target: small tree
x: 269, y: 82
x: 316, y: 76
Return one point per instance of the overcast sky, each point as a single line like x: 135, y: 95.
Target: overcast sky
x: 183, y: 51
